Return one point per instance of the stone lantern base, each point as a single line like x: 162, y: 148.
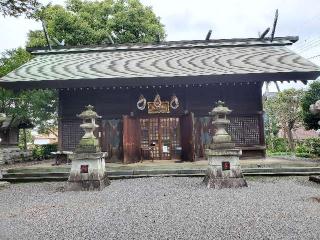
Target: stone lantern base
x: 88, y: 172
x: 224, y: 169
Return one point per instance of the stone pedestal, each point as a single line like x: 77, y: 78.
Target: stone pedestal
x: 88, y: 172
x: 224, y: 169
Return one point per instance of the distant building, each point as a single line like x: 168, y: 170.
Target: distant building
x: 42, y: 139
x: 300, y: 133
x: 9, y: 129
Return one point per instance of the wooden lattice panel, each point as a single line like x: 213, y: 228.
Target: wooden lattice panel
x: 175, y: 138
x: 71, y: 134
x: 245, y: 130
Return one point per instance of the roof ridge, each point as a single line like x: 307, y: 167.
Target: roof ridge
x: 233, y: 42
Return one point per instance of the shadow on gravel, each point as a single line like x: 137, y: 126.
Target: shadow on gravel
x: 315, y: 199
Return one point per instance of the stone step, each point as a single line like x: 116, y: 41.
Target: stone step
x: 36, y: 174
x: 36, y: 170
x: 62, y: 176
x: 281, y: 169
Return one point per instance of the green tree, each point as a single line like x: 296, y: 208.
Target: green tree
x: 12, y: 59
x: 17, y: 8
x: 285, y: 110
x: 40, y: 106
x: 94, y: 22
x: 310, y: 97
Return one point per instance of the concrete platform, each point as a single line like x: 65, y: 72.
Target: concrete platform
x: 164, y: 168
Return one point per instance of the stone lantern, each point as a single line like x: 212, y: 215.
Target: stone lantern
x: 224, y: 169
x: 88, y: 167
x: 88, y: 142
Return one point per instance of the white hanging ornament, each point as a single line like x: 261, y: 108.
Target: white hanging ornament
x: 142, y: 102
x: 174, y: 103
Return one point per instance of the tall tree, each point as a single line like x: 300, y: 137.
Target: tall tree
x: 310, y: 97
x: 285, y: 109
x: 95, y: 22
x: 17, y: 8
x: 40, y: 106
x: 12, y: 59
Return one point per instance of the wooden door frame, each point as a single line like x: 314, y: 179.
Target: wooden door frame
x: 158, y: 118
x: 187, y: 137
x: 131, y: 139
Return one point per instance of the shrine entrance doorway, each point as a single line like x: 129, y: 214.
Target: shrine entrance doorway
x: 160, y: 138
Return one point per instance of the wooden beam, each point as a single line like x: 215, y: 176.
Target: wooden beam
x: 264, y: 34
x: 274, y: 25
x: 208, y: 35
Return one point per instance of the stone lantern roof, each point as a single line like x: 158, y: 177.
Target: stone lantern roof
x: 220, y: 109
x: 88, y: 113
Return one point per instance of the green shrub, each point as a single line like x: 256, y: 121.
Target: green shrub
x: 301, y: 147
x: 314, y: 145
x: 44, y: 151
x: 48, y: 148
x: 305, y: 155
x: 37, y: 152
x: 276, y: 144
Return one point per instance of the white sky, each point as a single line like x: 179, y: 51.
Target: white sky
x: 190, y: 19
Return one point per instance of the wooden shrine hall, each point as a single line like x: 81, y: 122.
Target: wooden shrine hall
x: 155, y: 98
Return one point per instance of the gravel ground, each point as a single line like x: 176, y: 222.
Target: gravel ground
x: 163, y: 208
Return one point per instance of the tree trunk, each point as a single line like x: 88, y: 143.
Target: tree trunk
x: 24, y: 140
x: 290, y: 136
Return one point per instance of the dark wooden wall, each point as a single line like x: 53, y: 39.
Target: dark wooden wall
x: 200, y: 100
x: 244, y: 99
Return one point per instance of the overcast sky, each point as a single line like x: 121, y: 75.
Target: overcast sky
x: 227, y: 18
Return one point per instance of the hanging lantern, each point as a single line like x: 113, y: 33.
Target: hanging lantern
x: 174, y: 103
x: 157, y: 101
x: 142, y: 102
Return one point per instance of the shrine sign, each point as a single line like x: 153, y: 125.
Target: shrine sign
x: 163, y: 108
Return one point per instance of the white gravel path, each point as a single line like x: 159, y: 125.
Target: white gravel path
x: 163, y: 208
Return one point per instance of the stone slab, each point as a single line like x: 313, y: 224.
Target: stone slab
x: 88, y: 185
x: 314, y: 179
x: 223, y: 152
x: 220, y: 183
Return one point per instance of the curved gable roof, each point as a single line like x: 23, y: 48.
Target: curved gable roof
x: 178, y: 59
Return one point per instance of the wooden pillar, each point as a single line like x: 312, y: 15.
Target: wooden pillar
x: 60, y: 120
x: 261, y: 120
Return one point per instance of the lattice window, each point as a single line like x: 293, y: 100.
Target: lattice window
x: 71, y: 134
x: 245, y: 130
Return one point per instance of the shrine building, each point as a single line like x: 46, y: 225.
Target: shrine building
x: 155, y: 98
